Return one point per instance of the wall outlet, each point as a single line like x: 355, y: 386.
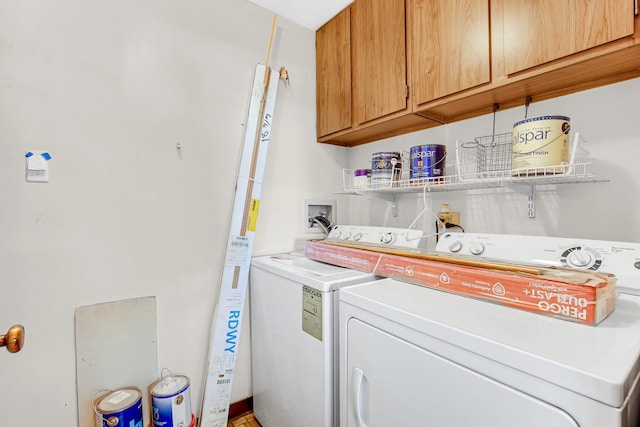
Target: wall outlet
x: 318, y: 209
x: 447, y: 216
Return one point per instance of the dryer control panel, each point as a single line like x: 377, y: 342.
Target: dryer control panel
x: 385, y: 236
x: 619, y: 258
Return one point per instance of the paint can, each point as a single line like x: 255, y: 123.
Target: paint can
x: 540, y: 145
x: 427, y: 163
x: 361, y: 178
x: 386, y: 168
x: 119, y: 408
x: 171, y: 402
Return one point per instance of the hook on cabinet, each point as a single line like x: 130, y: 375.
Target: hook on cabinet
x: 527, y: 102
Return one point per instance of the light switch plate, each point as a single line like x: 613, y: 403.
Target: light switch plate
x: 37, y: 166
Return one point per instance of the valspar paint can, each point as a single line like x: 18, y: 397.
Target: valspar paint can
x: 540, y: 145
x: 427, y: 163
x: 171, y: 402
x: 386, y: 168
x: 120, y: 408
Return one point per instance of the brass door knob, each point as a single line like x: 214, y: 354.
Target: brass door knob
x: 14, y: 339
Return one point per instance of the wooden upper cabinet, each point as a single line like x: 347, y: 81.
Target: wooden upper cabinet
x: 450, y: 47
x: 333, y: 75
x: 379, y: 58
x: 536, y: 32
x: 460, y: 58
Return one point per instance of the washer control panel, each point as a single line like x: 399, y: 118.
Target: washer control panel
x: 619, y: 258
x: 386, y: 236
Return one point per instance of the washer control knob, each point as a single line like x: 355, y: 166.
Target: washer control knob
x: 455, y: 246
x: 477, y: 249
x: 345, y: 235
x: 579, y: 258
x: 387, y: 238
x: 357, y: 236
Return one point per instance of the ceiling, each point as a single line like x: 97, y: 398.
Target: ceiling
x: 308, y: 13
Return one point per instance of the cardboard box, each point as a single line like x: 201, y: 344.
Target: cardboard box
x: 580, y: 296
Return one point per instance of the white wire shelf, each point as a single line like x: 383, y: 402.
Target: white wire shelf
x: 480, y: 165
x: 471, y: 182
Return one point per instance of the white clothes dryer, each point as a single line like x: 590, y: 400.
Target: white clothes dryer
x: 420, y: 356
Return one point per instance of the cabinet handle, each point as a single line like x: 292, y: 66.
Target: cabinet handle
x: 635, y: 7
x: 358, y: 386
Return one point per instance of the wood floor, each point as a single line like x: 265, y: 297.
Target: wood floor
x: 245, y: 420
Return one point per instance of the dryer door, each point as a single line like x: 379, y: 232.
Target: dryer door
x: 393, y: 382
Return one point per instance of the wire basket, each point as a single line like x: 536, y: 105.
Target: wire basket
x: 485, y: 157
x: 489, y: 158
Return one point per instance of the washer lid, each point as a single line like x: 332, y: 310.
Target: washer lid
x: 319, y: 275
x: 600, y: 362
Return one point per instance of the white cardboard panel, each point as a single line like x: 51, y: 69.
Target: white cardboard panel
x: 116, y: 346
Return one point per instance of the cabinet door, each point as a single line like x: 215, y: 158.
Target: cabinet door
x: 333, y: 75
x: 450, y: 51
x: 379, y: 58
x: 392, y: 382
x: 540, y: 31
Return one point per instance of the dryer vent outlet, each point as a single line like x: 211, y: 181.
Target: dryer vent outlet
x: 319, y: 216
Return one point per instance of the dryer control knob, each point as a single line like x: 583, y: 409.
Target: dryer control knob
x: 477, y: 249
x: 345, y: 235
x: 455, y: 246
x: 579, y: 258
x: 357, y: 236
x: 387, y: 238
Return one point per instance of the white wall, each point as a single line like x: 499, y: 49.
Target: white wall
x: 109, y: 88
x: 606, y: 117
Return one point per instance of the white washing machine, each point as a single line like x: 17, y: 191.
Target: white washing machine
x: 293, y: 335
x: 411, y: 355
